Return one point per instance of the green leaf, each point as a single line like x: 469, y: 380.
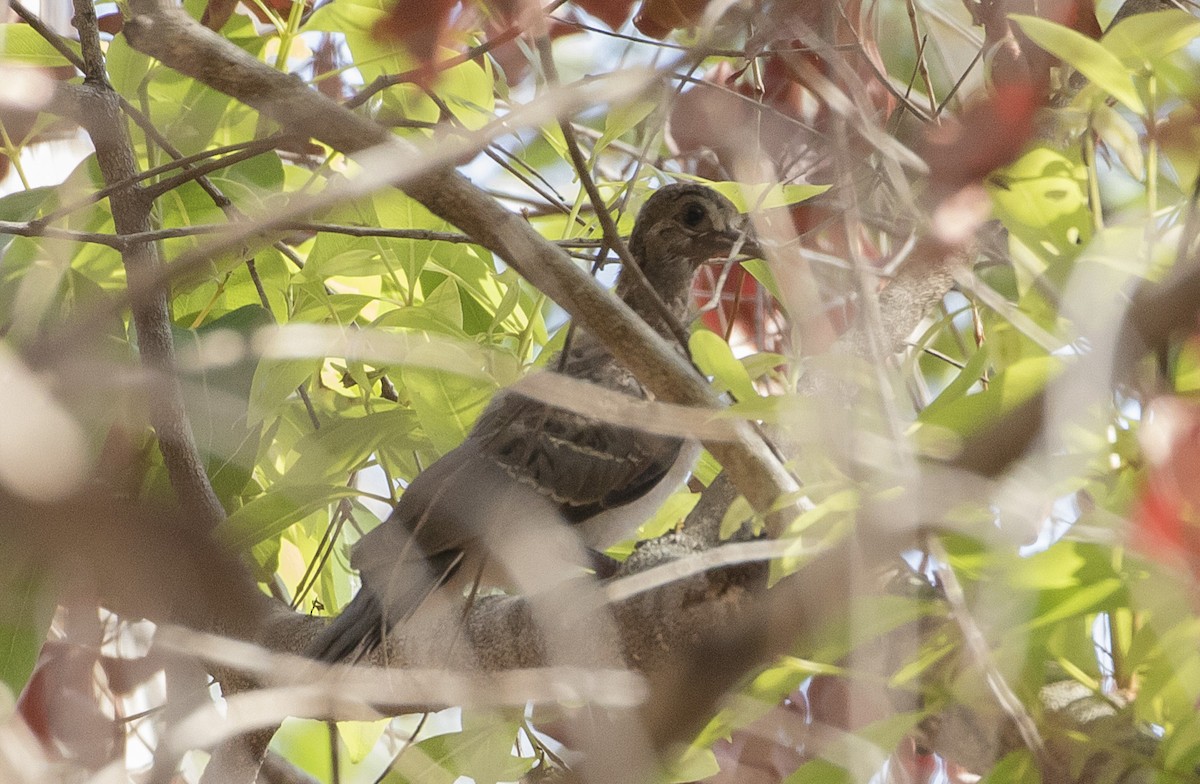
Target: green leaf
x: 275, y: 382
x: 1005, y: 391
x: 444, y: 300
x: 759, y: 196
x: 797, y: 412
x: 762, y: 363
x: 1062, y: 566
x: 928, y: 656
x: 346, y: 444
x: 1181, y: 749
x: 422, y: 319
x: 738, y: 514
x: 469, y: 91
x: 25, y: 617
x: 696, y: 764
x: 1089, y: 57
x: 217, y: 398
x: 275, y: 511
x: 336, y: 308
x: 356, y: 262
x: 761, y: 271
x: 305, y: 744
x: 127, y: 67
x: 20, y: 43
x: 1170, y: 669
x: 967, y: 377
x: 446, y: 403
x: 706, y: 468
x: 673, y: 512
x: 1016, y: 766
x: 1042, y: 200
x: 482, y: 751
x: 361, y: 736
x: 1145, y: 39
x: 714, y: 358
x: 819, y: 770
x: 1076, y: 601
x: 867, y: 621
x: 196, y: 114
x: 621, y: 119
x: 20, y: 206
x: 254, y: 183
x: 1187, y: 367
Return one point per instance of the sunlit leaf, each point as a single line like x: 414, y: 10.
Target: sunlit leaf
x: 621, y: 120
x: 1016, y: 766
x: 24, y: 620
x: 20, y: 43
x: 271, y: 513
x: 1142, y: 40
x: 1089, y: 57
x: 446, y: 403
x: 714, y: 358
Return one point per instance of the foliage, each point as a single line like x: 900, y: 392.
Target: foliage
x: 325, y: 361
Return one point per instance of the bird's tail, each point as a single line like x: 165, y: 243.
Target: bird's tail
x: 364, y: 623
x: 354, y: 633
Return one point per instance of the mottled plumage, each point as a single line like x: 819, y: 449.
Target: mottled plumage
x: 524, y: 458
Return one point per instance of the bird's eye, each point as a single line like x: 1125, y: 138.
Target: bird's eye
x: 692, y: 215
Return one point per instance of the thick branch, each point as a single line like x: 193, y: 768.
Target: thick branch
x: 105, y: 125
x: 181, y: 43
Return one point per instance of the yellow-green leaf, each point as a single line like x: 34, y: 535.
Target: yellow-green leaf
x: 1085, y: 55
x: 20, y: 43
x: 714, y: 358
x: 1143, y: 39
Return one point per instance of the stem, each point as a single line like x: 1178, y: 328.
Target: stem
x: 14, y: 154
x: 208, y: 306
x: 526, y: 339
x: 922, y: 67
x: 1089, y: 161
x: 1152, y: 147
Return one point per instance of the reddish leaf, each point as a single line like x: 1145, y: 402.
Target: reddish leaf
x: 989, y: 134
x: 1014, y: 59
x: 111, y: 23
x: 1167, y: 517
x: 657, y: 18
x: 421, y: 28
x: 919, y: 764
x: 217, y: 13
x: 59, y: 706
x: 325, y: 63
x: 511, y: 58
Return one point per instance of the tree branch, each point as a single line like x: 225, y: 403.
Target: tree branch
x: 105, y: 125
x: 181, y: 43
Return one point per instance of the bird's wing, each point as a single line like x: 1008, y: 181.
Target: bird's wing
x: 435, y: 513
x: 584, y: 465
x: 454, y: 516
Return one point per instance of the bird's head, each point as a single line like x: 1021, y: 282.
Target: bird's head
x: 686, y: 222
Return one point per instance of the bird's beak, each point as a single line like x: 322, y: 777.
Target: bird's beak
x: 738, y: 240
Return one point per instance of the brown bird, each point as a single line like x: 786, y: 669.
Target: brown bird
x: 526, y: 460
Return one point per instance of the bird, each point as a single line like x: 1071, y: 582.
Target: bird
x: 527, y: 460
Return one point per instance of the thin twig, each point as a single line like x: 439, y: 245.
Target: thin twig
x: 922, y: 66
x: 612, y: 235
